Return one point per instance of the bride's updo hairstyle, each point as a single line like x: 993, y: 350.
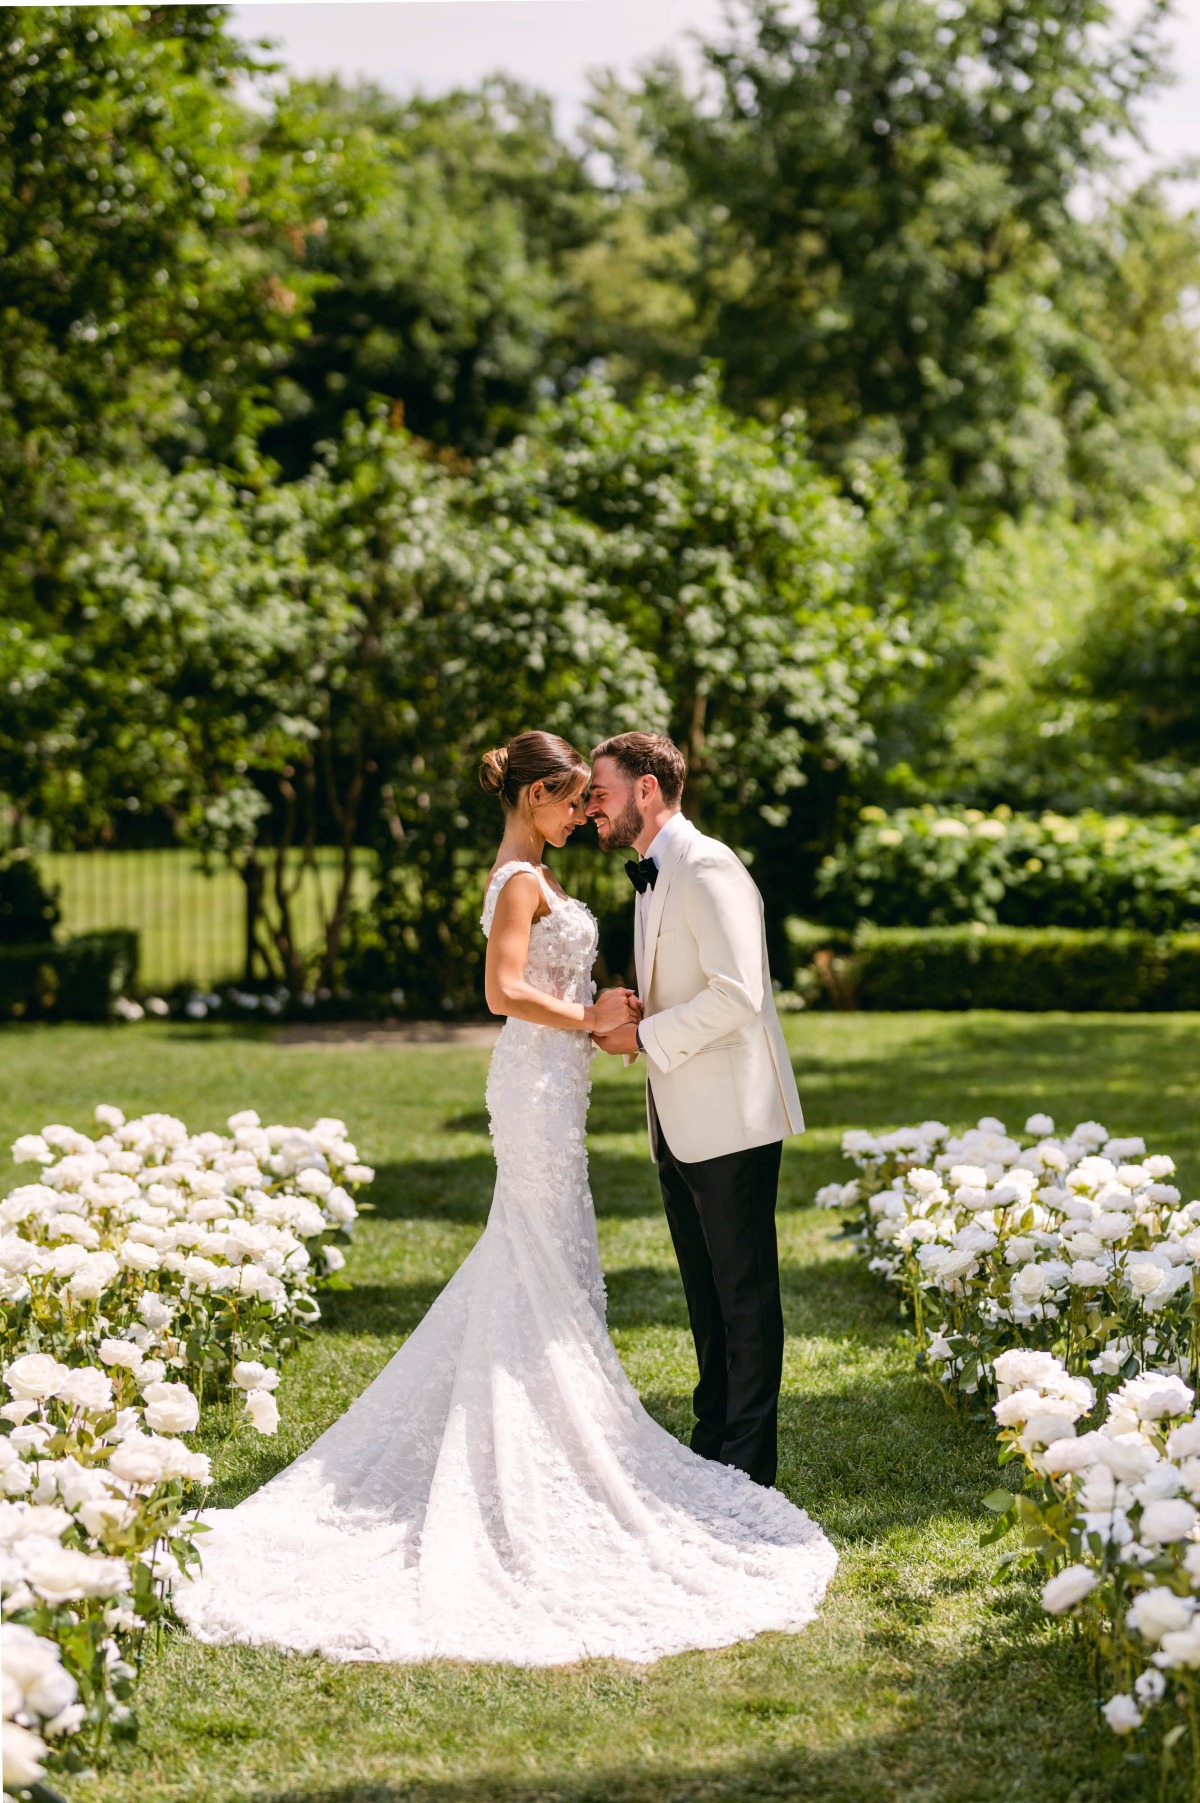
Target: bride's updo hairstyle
x: 533, y: 757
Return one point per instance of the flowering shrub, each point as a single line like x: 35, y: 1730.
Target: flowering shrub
x: 1057, y: 1269
x: 1111, y: 1511
x: 147, y: 1272
x: 940, y: 867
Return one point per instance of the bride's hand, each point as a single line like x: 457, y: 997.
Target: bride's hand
x: 615, y: 1008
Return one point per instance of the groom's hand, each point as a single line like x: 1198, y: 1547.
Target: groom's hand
x: 621, y: 1042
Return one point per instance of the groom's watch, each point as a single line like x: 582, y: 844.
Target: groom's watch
x: 637, y: 1036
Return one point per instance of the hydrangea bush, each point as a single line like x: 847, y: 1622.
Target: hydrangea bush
x: 927, y: 866
x: 1061, y: 1275
x: 146, y: 1274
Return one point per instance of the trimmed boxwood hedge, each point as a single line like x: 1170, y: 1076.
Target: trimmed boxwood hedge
x: 75, y: 979
x: 1032, y: 969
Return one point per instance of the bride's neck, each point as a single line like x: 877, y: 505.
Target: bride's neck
x: 521, y: 844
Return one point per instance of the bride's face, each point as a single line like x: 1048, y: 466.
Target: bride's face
x: 556, y: 817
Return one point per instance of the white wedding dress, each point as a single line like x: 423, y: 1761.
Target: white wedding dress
x: 498, y: 1493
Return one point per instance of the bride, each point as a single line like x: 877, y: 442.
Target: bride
x: 498, y: 1493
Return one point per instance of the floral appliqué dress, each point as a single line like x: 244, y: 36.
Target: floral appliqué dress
x: 498, y: 1493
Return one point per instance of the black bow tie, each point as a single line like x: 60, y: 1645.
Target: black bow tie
x: 642, y: 874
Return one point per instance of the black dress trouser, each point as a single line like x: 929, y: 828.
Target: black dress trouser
x: 721, y: 1212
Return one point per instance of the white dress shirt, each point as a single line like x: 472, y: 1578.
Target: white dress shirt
x: 675, y: 823
x: 658, y: 845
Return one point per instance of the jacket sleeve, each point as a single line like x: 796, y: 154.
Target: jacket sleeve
x: 723, y: 911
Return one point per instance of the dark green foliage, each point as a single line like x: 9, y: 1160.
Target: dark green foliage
x: 29, y: 912
x: 878, y: 196
x: 942, y: 866
x: 1035, y: 969
x: 440, y: 248
x: 78, y: 979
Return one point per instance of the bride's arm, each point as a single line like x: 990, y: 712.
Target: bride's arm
x: 504, y: 985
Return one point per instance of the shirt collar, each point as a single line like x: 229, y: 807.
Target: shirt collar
x: 675, y: 824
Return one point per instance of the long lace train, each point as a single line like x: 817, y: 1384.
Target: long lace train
x: 498, y: 1493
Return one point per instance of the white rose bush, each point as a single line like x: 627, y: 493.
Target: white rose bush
x: 1062, y: 1275
x: 150, y: 1279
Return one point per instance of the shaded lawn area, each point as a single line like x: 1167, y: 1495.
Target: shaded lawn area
x: 922, y: 1680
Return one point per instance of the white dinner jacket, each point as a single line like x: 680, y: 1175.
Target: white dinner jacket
x: 719, y: 1076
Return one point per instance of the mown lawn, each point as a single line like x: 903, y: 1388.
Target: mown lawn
x: 923, y: 1681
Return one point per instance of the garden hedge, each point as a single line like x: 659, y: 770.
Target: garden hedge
x: 1032, y: 969
x: 73, y: 979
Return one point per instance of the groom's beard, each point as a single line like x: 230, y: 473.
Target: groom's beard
x: 623, y: 831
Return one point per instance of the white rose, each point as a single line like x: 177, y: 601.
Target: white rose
x: 1122, y: 1714
x: 1150, y: 1688
x: 62, y: 1575
x: 1180, y: 1649
x: 88, y: 1389
x: 136, y: 1461
x: 1170, y: 1518
x: 106, y: 1114
x: 120, y: 1352
x: 248, y: 1374
x: 247, y: 1118
x: 35, y: 1666
x: 170, y: 1408
x: 17, y: 1412
x: 1143, y: 1277
x: 154, y: 1311
x: 1072, y: 1454
x: 1039, y: 1125
x: 105, y: 1513
x: 319, y: 1183
x: 37, y: 1375
x: 24, y: 1756
x: 262, y: 1410
x: 1127, y: 1456
x: 1068, y: 1588
x: 31, y: 1148
x: 1151, y: 1396
x: 1029, y: 1283
x: 1184, y: 1441
x: 137, y: 1257
x: 334, y: 1258
x: 1087, y: 1275
x: 1159, y: 1611
x: 90, y: 1280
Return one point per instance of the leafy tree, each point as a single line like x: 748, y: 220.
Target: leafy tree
x: 443, y: 279
x: 147, y: 278
x: 882, y: 203
x: 782, y: 618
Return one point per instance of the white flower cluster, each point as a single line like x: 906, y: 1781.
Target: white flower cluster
x: 1079, y: 1242
x: 146, y: 1272
x: 1059, y: 1266
x: 1120, y: 1503
x: 40, y: 1699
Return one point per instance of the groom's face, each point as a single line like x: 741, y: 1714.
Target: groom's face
x: 613, y: 805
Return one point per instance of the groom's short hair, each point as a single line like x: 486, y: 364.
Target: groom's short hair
x: 648, y: 754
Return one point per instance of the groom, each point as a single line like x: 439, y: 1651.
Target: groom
x: 720, y: 1096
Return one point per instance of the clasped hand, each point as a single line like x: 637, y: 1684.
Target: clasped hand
x: 617, y: 1013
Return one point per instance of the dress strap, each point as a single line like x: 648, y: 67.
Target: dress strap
x: 499, y: 878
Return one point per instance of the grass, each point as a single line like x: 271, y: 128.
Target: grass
x: 922, y: 1681
x: 191, y: 925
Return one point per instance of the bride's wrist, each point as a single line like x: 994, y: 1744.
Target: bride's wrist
x: 588, y: 1022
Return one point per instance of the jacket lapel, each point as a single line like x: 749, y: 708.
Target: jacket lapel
x: 670, y: 863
